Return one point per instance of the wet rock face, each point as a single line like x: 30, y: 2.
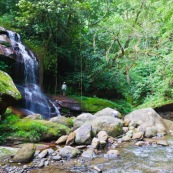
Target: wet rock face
x: 9, y: 94
x: 10, y: 56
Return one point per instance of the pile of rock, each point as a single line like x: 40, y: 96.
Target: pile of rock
x: 143, y: 123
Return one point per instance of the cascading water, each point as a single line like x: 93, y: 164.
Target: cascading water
x: 34, y: 100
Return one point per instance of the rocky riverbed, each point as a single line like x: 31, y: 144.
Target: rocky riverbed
x: 147, y: 158
x: 104, y: 142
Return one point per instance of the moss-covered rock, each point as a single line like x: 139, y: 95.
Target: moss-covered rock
x: 13, y: 129
x: 7, y: 151
x: 9, y: 94
x: 62, y: 120
x: 25, y: 154
x: 38, y: 130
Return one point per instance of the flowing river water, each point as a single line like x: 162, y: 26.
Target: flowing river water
x: 132, y: 159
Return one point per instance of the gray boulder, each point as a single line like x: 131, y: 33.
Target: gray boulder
x: 169, y: 125
x: 84, y: 134
x: 68, y: 152
x: 60, y: 120
x: 147, y: 121
x: 82, y: 119
x: 113, y: 126
x: 108, y: 112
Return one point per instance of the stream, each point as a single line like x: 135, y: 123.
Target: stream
x: 132, y: 159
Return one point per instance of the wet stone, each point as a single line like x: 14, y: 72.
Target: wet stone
x: 162, y: 142
x: 89, y: 153
x: 102, y: 136
x: 57, y: 158
x: 43, y: 154
x: 50, y: 151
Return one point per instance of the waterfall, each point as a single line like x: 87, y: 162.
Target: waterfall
x: 33, y: 98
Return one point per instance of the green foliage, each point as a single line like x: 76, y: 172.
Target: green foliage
x: 111, y: 49
x: 4, y: 66
x: 70, y: 122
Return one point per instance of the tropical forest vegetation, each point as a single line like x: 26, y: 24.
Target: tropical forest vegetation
x: 119, y: 50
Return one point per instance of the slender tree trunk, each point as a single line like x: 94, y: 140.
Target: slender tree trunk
x: 56, y: 76
x: 127, y: 75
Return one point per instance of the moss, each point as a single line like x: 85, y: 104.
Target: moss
x: 30, y: 130
x: 70, y: 122
x: 118, y: 131
x: 7, y: 86
x: 95, y: 104
x: 7, y: 151
x: 155, y: 102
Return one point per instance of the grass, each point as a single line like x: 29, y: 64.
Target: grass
x: 154, y: 102
x: 95, y: 104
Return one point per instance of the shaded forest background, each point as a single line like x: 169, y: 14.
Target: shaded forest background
x: 114, y: 49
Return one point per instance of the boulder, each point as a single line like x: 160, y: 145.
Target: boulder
x: 169, y: 125
x: 60, y: 120
x: 25, y: 154
x: 82, y: 119
x: 9, y: 94
x: 113, y: 126
x: 53, y: 130
x: 84, y: 134
x: 147, y: 121
x: 108, y: 112
x: 7, y: 151
x: 69, y: 152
